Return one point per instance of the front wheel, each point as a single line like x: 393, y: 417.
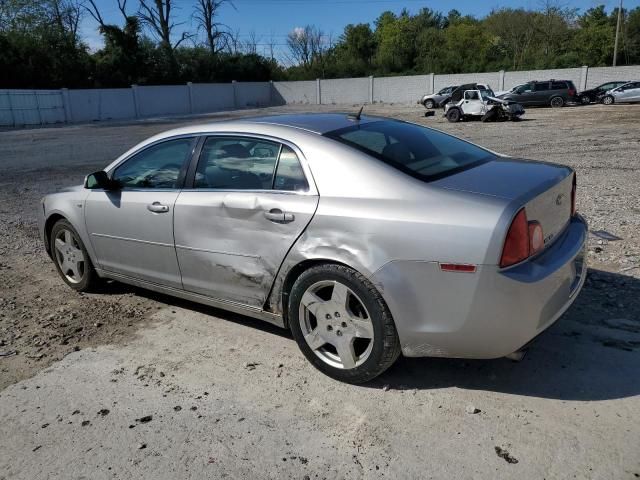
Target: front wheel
x: 454, y: 115
x: 429, y: 104
x: 71, y: 258
x: 607, y: 100
x: 557, y: 102
x: 342, y: 324
x: 585, y: 100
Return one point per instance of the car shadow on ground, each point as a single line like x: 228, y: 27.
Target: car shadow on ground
x: 591, y: 353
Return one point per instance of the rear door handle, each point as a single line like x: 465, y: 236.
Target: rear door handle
x: 277, y: 215
x: 157, y: 207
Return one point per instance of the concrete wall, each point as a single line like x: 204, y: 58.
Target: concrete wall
x: 252, y: 94
x: 100, y: 104
x: 295, y: 92
x: 407, y: 89
x: 211, y: 97
x: 599, y: 75
x: 36, y: 107
x: 345, y: 91
x: 31, y: 107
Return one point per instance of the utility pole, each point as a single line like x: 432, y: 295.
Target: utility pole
x: 615, y: 46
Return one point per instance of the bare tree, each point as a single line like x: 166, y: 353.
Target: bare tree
x: 93, y: 10
x: 205, y: 15
x: 250, y: 46
x: 307, y: 45
x: 156, y: 15
x: 66, y: 16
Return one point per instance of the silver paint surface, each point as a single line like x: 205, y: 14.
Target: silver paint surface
x: 216, y: 247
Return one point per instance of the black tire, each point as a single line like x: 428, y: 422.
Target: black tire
x: 89, y: 279
x: 585, y: 100
x: 608, y: 100
x: 454, y: 115
x: 429, y: 103
x: 385, y: 343
x: 557, y: 102
x: 490, y: 115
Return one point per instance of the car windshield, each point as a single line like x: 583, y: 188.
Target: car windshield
x: 487, y: 93
x: 418, y: 151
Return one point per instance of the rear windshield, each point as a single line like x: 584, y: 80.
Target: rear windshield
x: 420, y: 152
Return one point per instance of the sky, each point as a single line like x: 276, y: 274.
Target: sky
x: 272, y: 20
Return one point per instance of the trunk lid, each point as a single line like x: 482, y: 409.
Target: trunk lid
x: 544, y: 189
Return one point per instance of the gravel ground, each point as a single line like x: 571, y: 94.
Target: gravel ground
x: 228, y: 396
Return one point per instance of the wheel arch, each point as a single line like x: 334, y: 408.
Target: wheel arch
x: 294, y: 273
x: 48, y: 226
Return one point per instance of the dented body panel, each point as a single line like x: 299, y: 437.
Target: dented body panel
x: 220, y: 248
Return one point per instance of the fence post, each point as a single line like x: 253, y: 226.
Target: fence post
x: 318, y: 92
x: 501, y: 80
x: 271, y: 87
x: 190, y: 87
x: 136, y: 105
x: 584, y: 74
x: 235, y: 98
x: 66, y: 105
x: 370, y: 88
x: 431, y: 83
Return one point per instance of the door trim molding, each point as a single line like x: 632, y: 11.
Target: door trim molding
x: 219, y: 252
x: 228, y: 305
x: 126, y: 239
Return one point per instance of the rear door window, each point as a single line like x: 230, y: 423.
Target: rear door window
x: 559, y: 85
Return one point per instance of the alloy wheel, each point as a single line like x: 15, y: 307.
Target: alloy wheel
x: 336, y: 325
x: 69, y: 256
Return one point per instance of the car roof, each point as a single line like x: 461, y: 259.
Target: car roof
x: 313, y: 122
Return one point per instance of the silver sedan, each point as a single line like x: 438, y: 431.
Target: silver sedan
x: 367, y: 237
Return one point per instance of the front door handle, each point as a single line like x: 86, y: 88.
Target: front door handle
x: 157, y: 207
x: 277, y: 215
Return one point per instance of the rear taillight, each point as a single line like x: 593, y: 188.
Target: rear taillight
x: 572, y: 92
x: 516, y: 245
x: 523, y: 239
x: 573, y: 195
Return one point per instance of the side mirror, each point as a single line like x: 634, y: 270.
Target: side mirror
x: 98, y: 181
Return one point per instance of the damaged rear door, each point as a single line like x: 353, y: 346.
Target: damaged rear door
x: 248, y: 202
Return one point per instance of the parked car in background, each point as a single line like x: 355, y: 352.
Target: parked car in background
x: 435, y: 99
x: 555, y: 93
x: 629, y: 92
x: 318, y: 223
x: 475, y: 100
x: 595, y: 94
x: 501, y: 93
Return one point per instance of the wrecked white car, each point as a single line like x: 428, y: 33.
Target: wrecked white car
x: 476, y: 101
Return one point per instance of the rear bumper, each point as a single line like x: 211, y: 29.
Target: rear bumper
x: 487, y: 314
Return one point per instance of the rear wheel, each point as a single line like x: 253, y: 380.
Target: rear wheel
x: 608, y: 100
x: 454, y: 115
x: 429, y: 103
x: 342, y: 324
x: 71, y: 258
x: 557, y: 102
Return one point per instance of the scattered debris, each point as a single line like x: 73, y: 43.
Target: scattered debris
x: 142, y: 446
x: 504, y: 454
x: 104, y: 412
x: 145, y: 419
x: 85, y: 423
x: 251, y: 365
x: 385, y: 388
x: 470, y: 409
x: 177, y: 408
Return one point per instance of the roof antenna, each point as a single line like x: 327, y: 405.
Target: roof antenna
x: 357, y: 115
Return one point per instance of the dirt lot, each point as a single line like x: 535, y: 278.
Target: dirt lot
x: 130, y: 384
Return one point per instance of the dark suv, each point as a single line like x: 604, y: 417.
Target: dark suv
x: 548, y: 92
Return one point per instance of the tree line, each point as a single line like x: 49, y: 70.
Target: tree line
x: 41, y: 45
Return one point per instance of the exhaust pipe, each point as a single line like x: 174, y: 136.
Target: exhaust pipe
x: 517, y: 356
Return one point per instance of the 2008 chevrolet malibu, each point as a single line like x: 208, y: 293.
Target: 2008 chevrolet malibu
x: 367, y: 237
